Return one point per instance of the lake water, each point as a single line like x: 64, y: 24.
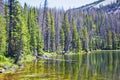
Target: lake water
x: 101, y: 65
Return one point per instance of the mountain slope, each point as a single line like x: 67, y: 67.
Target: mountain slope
x: 112, y: 6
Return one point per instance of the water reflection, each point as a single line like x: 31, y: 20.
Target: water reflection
x: 103, y: 65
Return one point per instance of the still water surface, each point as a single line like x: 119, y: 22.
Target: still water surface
x: 103, y: 65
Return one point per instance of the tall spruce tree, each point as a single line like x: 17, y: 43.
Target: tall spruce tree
x: 109, y: 39
x: 33, y: 30
x: 52, y: 37
x: 114, y: 40
x: 62, y: 39
x: 14, y: 38
x: 3, y: 32
x: 66, y: 29
x: 3, y: 36
x: 76, y: 44
x: 47, y: 32
x: 25, y: 36
x: 85, y: 39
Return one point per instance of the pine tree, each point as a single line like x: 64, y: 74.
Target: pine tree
x: 62, y: 39
x: 85, y: 39
x: 25, y: 36
x: 3, y: 36
x: 10, y: 50
x: 14, y: 38
x: 76, y: 45
x: 66, y: 29
x: 6, y: 11
x: 47, y: 32
x: 38, y: 36
x: 52, y: 37
x: 109, y: 39
x: 40, y: 44
x: 33, y: 30
x: 114, y: 40
x: 3, y: 30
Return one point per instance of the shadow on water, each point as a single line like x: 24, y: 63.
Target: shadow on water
x: 102, y: 65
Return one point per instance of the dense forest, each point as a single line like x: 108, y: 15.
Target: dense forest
x: 26, y: 30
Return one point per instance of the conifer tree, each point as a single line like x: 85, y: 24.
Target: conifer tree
x: 62, y: 39
x: 52, y: 37
x: 114, y: 40
x: 85, y: 38
x: 14, y: 38
x: 33, y: 27
x: 3, y: 36
x: 66, y: 29
x: 3, y: 30
x: 76, y: 45
x: 25, y: 36
x: 47, y: 32
x: 109, y: 39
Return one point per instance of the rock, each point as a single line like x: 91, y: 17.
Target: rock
x: 20, y: 65
x: 89, y: 52
x: 2, y: 70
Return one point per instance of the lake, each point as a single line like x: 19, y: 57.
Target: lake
x: 100, y: 65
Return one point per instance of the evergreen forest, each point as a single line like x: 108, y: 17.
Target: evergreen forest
x: 27, y: 30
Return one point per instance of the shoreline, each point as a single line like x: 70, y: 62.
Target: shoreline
x: 9, y: 69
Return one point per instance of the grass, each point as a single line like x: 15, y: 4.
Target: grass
x: 27, y: 58
x: 8, y: 64
x: 5, y: 62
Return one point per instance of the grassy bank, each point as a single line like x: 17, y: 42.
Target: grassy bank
x: 7, y: 64
x: 5, y: 61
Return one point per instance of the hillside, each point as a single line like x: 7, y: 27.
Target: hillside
x: 111, y: 7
